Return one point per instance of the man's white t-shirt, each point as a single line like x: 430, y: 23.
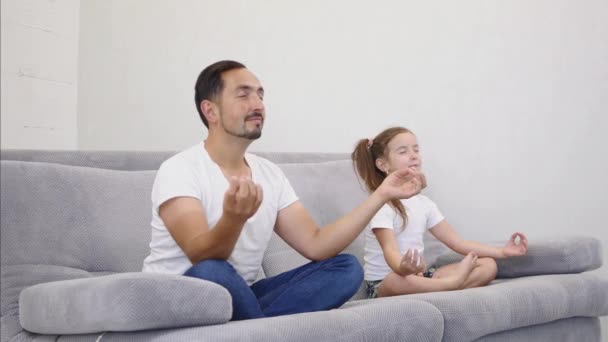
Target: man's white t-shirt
x: 422, y: 214
x: 192, y: 173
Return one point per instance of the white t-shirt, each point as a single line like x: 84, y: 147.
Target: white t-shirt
x: 192, y: 173
x: 422, y: 214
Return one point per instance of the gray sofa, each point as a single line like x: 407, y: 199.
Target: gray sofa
x: 75, y: 230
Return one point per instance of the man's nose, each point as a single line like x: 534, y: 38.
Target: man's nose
x: 257, y: 103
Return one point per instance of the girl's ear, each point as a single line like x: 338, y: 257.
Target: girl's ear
x: 381, y: 164
x: 210, y: 111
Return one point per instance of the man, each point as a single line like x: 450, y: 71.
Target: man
x: 215, y: 208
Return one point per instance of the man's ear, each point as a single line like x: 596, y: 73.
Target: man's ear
x: 381, y: 165
x: 210, y: 110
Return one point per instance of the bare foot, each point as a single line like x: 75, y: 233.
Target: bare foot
x: 462, y: 270
x: 466, y: 265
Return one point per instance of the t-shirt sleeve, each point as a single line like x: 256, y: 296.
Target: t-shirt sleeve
x: 287, y: 194
x: 384, y: 218
x: 173, y: 179
x: 434, y: 216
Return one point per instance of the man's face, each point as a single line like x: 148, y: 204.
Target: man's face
x: 241, y: 104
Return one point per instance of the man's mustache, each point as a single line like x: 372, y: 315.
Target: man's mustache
x: 254, y: 115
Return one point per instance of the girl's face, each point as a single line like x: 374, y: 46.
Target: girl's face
x: 402, y: 152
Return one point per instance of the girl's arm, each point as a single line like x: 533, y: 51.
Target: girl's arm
x: 444, y: 232
x: 410, y: 263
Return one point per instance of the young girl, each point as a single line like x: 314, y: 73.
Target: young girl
x: 393, y: 240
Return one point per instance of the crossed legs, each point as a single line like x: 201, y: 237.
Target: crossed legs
x: 468, y: 273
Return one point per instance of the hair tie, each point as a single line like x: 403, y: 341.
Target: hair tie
x: 370, y: 142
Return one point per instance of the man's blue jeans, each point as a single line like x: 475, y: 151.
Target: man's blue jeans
x: 316, y: 286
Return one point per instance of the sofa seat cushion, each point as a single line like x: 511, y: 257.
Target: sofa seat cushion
x: 409, y: 320
x: 509, y: 304
x: 574, y: 329
x: 122, y: 302
x: 15, y: 278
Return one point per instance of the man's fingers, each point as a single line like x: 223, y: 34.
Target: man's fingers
x: 423, y: 183
x: 406, y: 174
x: 243, y: 188
x: 259, y: 195
x: 233, y: 187
x: 253, y: 190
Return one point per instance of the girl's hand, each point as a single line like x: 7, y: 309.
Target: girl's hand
x: 513, y: 248
x: 412, y: 263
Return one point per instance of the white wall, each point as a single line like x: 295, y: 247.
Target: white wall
x: 39, y: 74
x: 509, y: 98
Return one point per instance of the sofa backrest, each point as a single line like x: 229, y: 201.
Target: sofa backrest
x: 64, y: 222
x: 143, y: 160
x: 85, y: 218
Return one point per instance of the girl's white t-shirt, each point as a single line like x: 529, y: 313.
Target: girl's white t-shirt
x: 192, y: 173
x: 422, y: 214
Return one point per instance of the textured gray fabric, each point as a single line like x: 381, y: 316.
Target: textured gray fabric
x: 89, y: 219
x: 115, y: 160
x: 25, y: 336
x: 575, y: 329
x: 122, y: 302
x: 142, y: 160
x: 573, y: 254
x: 473, y: 313
x: 60, y: 222
x: 15, y: 278
x: 403, y: 321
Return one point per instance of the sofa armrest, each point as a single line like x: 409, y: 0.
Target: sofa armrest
x: 122, y: 302
x: 551, y: 256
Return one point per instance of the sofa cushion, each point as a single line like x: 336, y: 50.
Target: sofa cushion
x: 548, y: 256
x: 17, y: 277
x: 78, y: 217
x: 122, y: 302
x: 64, y: 222
x: 409, y: 320
x: 575, y: 329
x: 472, y: 313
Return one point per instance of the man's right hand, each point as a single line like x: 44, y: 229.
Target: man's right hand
x: 401, y: 184
x: 242, y: 199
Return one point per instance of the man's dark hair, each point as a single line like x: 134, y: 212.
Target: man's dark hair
x: 210, y: 84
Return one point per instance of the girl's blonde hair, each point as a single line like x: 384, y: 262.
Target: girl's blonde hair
x: 364, y: 162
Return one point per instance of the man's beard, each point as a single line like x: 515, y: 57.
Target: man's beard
x: 244, y: 133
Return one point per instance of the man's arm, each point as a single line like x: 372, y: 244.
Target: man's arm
x: 296, y: 227
x: 186, y: 221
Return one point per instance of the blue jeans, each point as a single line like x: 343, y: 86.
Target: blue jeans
x: 316, y: 286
